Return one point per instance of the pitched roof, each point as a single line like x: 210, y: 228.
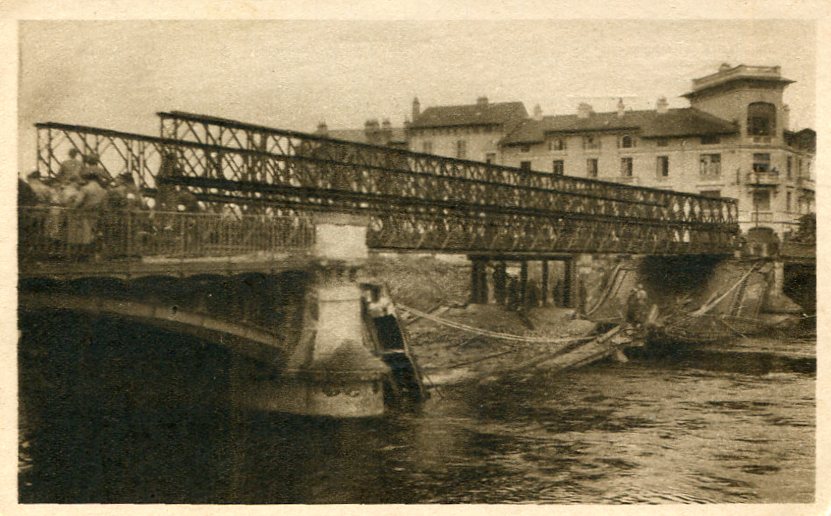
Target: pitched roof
x: 359, y: 135
x: 472, y: 114
x: 648, y: 123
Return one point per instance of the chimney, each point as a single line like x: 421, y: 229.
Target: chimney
x: 662, y: 106
x: 386, y: 130
x: 584, y: 110
x: 621, y: 107
x: 537, y: 113
x: 322, y: 129
x: 372, y: 130
x: 786, y: 117
x: 416, y: 108
x: 482, y: 101
x: 724, y: 67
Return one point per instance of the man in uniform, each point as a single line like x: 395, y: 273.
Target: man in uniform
x: 41, y: 191
x: 83, y: 225
x: 70, y: 169
x: 93, y: 166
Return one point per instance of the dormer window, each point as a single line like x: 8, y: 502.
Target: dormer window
x: 761, y: 119
x: 626, y: 141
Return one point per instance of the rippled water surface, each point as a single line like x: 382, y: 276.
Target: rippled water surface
x: 696, y: 429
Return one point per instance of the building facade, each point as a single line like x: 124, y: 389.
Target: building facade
x: 733, y: 141
x: 470, y: 131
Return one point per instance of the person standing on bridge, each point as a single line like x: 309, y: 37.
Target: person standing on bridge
x: 92, y: 165
x: 26, y: 195
x: 42, y: 192
x: 82, y: 226
x: 122, y: 199
x: 71, y: 168
x: 124, y: 194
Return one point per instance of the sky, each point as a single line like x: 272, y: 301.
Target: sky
x: 294, y: 74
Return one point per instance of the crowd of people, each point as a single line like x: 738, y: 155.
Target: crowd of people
x: 81, y: 183
x: 100, y: 203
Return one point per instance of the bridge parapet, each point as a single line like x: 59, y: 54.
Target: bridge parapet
x: 101, y: 241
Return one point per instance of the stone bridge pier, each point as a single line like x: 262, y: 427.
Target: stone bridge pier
x: 331, y: 371
x: 297, y: 335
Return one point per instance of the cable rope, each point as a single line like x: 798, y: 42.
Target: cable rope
x: 489, y: 333
x: 709, y: 306
x: 612, y: 283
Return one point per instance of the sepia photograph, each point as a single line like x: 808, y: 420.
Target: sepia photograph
x: 497, y: 261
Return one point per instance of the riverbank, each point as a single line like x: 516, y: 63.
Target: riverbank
x: 448, y: 355
x: 456, y: 344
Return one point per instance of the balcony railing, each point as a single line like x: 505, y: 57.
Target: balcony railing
x: 806, y: 183
x: 741, y: 71
x: 763, y: 178
x: 761, y: 216
x: 61, y: 234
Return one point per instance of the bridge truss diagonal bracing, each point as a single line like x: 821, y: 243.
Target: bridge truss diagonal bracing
x: 415, y: 201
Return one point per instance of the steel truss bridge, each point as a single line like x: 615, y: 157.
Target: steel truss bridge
x: 415, y: 202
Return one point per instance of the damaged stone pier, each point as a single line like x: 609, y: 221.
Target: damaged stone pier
x: 332, y: 371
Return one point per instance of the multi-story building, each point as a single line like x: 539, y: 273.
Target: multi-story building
x: 470, y: 131
x: 732, y: 141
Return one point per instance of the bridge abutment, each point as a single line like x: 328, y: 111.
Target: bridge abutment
x: 331, y: 372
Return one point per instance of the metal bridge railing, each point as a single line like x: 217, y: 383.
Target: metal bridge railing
x: 63, y: 234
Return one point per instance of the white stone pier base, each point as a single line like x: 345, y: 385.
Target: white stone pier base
x: 331, y: 371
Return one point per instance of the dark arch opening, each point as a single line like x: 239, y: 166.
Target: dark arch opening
x: 761, y: 119
x: 104, y: 402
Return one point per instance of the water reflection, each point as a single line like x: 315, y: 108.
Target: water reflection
x: 688, y: 429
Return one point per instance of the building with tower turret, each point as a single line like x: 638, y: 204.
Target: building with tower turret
x: 734, y: 140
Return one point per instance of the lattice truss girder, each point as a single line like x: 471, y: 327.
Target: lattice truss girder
x: 437, y: 210
x: 431, y: 228
x: 346, y: 166
x: 341, y: 154
x: 517, y: 233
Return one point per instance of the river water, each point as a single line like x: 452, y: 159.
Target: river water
x: 697, y: 428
